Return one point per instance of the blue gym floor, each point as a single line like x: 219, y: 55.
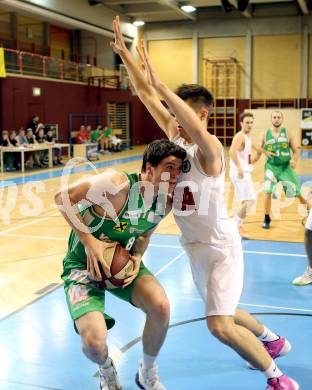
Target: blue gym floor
x: 40, y: 350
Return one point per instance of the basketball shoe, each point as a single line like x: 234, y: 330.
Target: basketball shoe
x: 304, y: 279
x: 282, y: 383
x: 108, y: 377
x: 266, y: 222
x: 147, y: 378
x: 275, y: 349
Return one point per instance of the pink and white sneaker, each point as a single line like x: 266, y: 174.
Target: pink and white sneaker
x: 282, y: 383
x: 275, y: 349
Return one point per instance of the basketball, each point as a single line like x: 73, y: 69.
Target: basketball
x: 118, y: 260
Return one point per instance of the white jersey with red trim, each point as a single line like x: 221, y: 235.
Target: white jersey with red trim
x: 244, y: 156
x: 198, y: 204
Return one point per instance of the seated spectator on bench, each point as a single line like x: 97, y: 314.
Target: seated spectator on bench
x: 114, y: 140
x: 13, y: 139
x: 21, y: 137
x: 105, y: 142
x: 96, y: 134
x: 116, y: 143
x: 88, y: 133
x: 23, y: 141
x: 17, y: 156
x: 32, y: 142
x: 82, y: 136
x: 57, y: 156
x: 43, y: 154
x: 8, y: 158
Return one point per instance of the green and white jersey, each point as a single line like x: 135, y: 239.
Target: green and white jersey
x: 279, y: 145
x: 133, y: 220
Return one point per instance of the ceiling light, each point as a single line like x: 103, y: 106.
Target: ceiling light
x: 188, y: 8
x: 138, y: 23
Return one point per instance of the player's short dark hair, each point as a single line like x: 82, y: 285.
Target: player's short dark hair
x: 160, y: 149
x: 196, y: 93
x: 244, y: 115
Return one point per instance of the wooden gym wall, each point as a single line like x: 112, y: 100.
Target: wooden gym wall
x: 225, y: 47
x: 276, y: 62
x: 173, y: 60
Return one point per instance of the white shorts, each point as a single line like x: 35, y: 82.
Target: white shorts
x: 218, y: 274
x: 244, y: 188
x: 308, y: 224
x: 115, y: 140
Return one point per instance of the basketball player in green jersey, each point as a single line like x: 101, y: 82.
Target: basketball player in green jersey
x: 124, y: 208
x: 280, y: 165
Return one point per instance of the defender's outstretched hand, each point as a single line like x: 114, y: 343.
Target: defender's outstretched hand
x: 151, y: 75
x: 118, y: 45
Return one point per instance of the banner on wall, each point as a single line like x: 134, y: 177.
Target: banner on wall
x: 306, y: 138
x: 306, y: 118
x: 2, y: 63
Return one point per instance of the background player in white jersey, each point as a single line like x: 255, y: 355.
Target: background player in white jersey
x: 210, y: 238
x: 241, y: 167
x: 306, y: 277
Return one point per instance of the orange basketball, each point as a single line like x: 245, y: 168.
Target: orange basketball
x: 118, y: 260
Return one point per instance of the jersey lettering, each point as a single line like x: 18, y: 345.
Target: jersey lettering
x: 188, y: 199
x: 130, y: 243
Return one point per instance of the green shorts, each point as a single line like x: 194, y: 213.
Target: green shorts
x: 83, y: 295
x: 281, y: 173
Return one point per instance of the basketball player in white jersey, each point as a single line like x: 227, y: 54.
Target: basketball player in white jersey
x: 209, y: 237
x: 306, y: 277
x: 241, y: 167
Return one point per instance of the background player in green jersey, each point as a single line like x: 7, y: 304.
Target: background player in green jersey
x: 123, y: 208
x: 282, y: 152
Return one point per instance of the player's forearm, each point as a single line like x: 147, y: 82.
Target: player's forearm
x: 295, y: 154
x: 258, y: 149
x: 256, y: 157
x: 137, y: 77
x: 73, y: 218
x: 146, y: 93
x: 233, y: 155
x: 140, y: 245
x: 188, y: 119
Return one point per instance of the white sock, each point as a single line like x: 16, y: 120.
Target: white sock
x: 238, y: 220
x: 273, y: 371
x: 107, y: 363
x: 148, y: 360
x: 268, y: 335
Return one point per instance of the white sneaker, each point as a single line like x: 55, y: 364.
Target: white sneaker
x: 147, y: 379
x: 304, y: 279
x: 108, y: 378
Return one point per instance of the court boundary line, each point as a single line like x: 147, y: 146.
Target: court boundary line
x: 152, y: 245
x: 252, y: 305
x: 169, y: 263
